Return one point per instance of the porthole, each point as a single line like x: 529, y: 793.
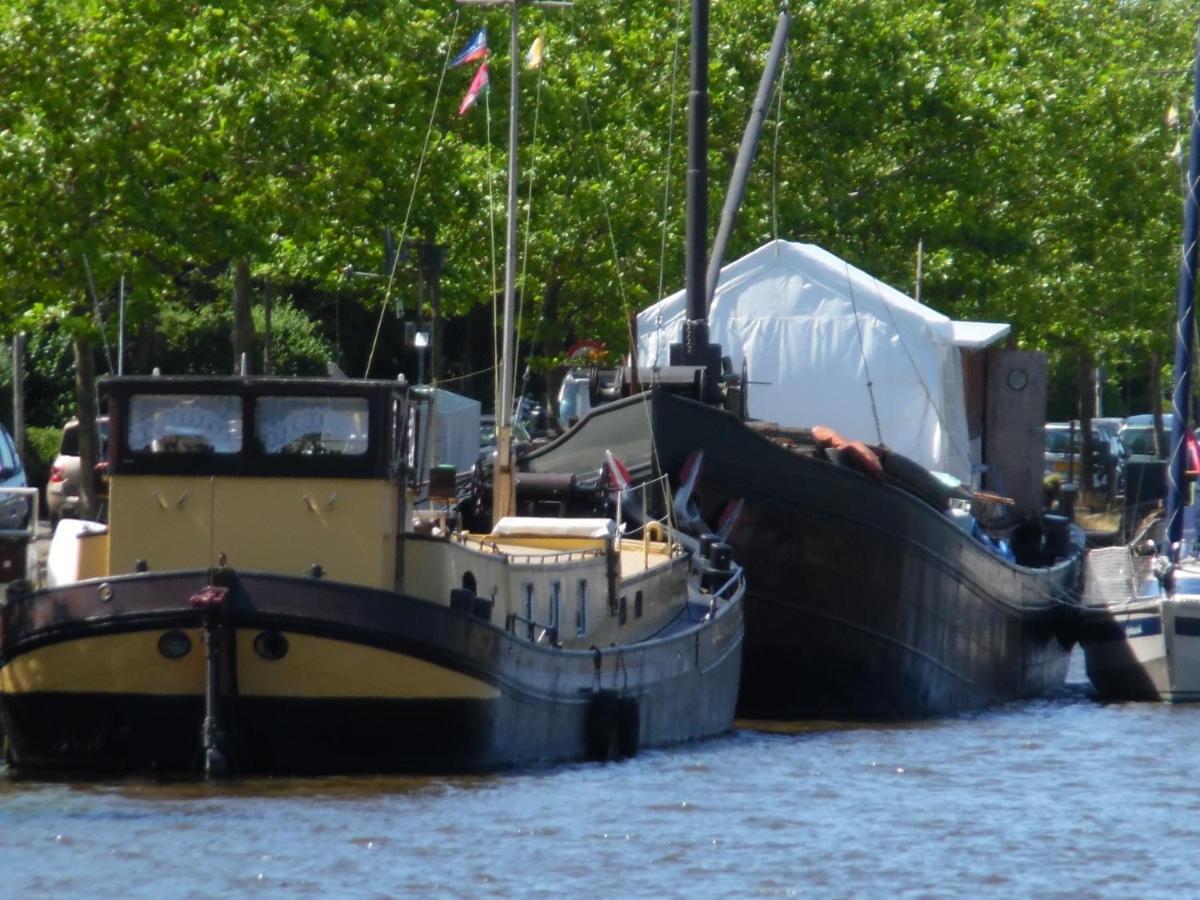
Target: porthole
x: 271, y: 645
x: 174, y: 644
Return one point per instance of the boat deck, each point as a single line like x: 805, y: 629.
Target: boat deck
x: 635, y: 556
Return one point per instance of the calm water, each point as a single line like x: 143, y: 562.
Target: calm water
x: 1059, y: 797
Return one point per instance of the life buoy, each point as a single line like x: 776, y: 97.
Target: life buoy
x: 655, y: 532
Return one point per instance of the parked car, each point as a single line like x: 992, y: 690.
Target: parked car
x: 14, y: 510
x: 1137, y: 436
x: 62, y: 490
x: 1064, y: 458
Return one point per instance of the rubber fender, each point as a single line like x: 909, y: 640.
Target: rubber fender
x: 462, y: 600
x: 1067, y: 624
x: 601, y: 739
x: 629, y: 726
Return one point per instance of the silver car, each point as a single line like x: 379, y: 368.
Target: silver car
x: 62, y: 490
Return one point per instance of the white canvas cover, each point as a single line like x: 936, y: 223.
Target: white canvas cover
x: 454, y: 437
x: 820, y: 338
x: 541, y: 526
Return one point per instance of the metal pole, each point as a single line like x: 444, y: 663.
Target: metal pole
x: 121, y: 327
x: 503, y: 501
x: 1185, y: 327
x: 745, y: 157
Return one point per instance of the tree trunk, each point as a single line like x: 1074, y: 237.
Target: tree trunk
x: 1087, y: 411
x: 85, y: 412
x: 243, y: 324
x: 268, y: 336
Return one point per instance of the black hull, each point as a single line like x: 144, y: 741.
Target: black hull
x: 534, y: 704
x: 863, y: 601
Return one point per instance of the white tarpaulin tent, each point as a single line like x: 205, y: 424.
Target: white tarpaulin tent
x: 455, y: 435
x: 826, y: 344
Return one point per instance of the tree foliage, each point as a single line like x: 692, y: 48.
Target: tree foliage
x: 1024, y: 143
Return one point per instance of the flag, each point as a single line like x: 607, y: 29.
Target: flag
x: 476, y: 48
x: 479, y: 85
x: 533, y: 59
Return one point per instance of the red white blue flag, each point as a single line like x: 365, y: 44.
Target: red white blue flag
x: 479, y: 85
x: 476, y: 48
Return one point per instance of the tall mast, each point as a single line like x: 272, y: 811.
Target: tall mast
x: 504, y: 485
x: 697, y: 174
x: 504, y: 499
x: 694, y: 348
x: 745, y: 157
x: 1185, y: 329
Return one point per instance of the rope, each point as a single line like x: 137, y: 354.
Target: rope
x: 654, y: 455
x: 391, y: 278
x: 537, y: 106
x: 482, y: 371
x: 787, y: 59
x: 863, y: 350
x: 946, y: 429
x: 612, y: 235
x: 487, y: 109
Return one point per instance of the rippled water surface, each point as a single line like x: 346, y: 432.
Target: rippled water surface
x: 1063, y: 796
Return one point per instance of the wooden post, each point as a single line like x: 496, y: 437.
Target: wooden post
x: 85, y: 405
x: 19, y: 395
x: 268, y: 336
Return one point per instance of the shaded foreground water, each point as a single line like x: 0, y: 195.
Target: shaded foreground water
x: 1061, y: 797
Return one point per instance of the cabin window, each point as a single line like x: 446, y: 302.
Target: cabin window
x: 527, y: 607
x: 637, y: 605
x: 555, y: 600
x: 622, y: 612
x: 312, y: 426
x: 581, y: 607
x: 185, y: 423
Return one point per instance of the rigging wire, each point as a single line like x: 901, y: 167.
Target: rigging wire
x: 537, y: 106
x: 949, y: 432
x: 656, y: 460
x: 779, y: 91
x: 391, y: 275
x: 487, y: 115
x: 863, y: 351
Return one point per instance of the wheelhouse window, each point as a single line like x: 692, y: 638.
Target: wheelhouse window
x: 185, y: 423
x: 312, y: 426
x: 581, y: 608
x: 555, y: 602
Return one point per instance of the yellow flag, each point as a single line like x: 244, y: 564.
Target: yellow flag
x: 533, y: 59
